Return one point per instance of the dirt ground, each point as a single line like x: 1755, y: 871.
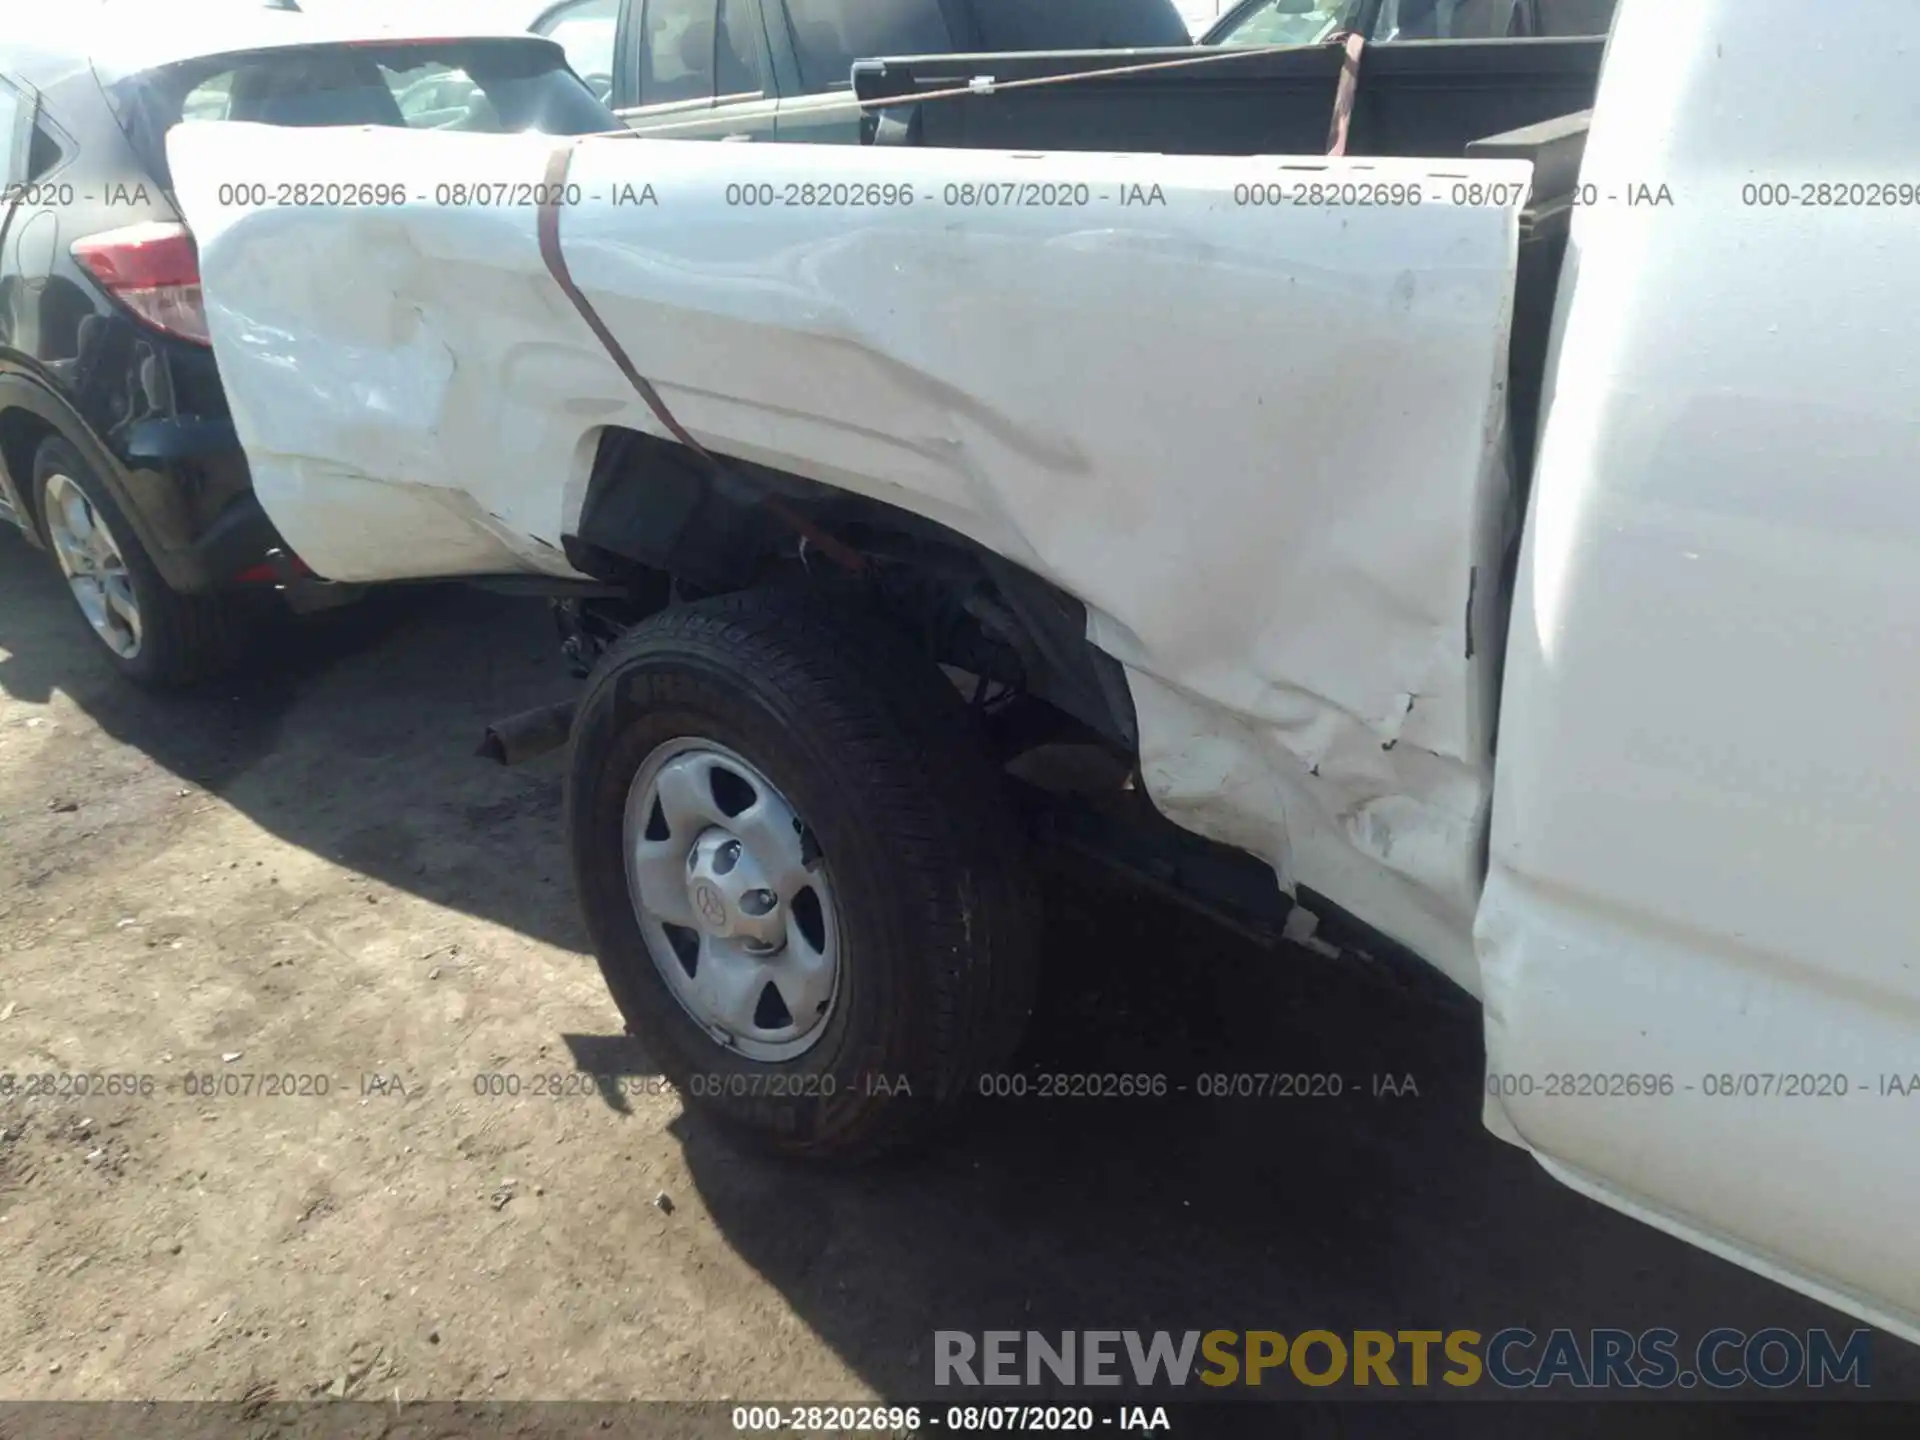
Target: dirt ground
x: 307, y: 874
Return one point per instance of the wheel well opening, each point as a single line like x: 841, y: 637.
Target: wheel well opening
x: 21, y: 433
x: 651, y: 512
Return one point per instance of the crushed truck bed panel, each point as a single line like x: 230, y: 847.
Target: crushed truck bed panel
x: 1263, y: 444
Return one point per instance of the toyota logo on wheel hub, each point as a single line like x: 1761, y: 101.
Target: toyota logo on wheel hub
x: 711, y: 905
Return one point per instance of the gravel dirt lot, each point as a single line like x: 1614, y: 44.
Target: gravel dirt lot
x: 306, y: 874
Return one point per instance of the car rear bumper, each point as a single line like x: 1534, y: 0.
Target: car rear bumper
x: 181, y: 481
x: 241, y: 547
x: 183, y: 437
x: 188, y: 479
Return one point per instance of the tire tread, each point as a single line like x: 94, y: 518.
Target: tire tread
x: 870, y: 696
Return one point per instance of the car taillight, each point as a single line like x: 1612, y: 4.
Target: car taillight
x: 282, y: 568
x: 154, y: 271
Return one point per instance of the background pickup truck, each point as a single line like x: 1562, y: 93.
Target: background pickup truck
x: 879, y: 480
x: 777, y: 69
x: 1306, y: 22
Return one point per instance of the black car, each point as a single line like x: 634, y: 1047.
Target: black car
x: 781, y: 69
x: 117, y: 452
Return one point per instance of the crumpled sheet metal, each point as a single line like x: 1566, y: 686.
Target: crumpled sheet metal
x: 1264, y: 445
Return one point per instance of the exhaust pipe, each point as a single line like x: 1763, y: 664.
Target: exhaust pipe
x: 527, y: 736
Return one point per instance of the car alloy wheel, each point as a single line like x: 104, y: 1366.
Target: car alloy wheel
x: 96, y: 571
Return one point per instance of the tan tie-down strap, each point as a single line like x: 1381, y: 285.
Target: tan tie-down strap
x: 1343, y: 97
x: 556, y: 261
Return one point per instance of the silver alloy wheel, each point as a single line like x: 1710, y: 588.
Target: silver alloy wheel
x: 738, y: 915
x: 96, y: 571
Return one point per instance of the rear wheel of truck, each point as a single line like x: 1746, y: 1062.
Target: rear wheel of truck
x: 153, y: 635
x: 805, y: 883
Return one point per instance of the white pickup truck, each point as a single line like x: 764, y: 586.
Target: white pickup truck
x: 1222, y: 471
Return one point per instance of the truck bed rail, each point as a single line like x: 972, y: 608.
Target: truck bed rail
x: 1416, y: 98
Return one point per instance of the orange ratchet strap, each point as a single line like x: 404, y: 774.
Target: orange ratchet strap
x: 549, y: 226
x: 1354, y: 43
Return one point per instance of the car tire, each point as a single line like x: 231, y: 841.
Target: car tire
x: 911, y: 831
x: 152, y: 634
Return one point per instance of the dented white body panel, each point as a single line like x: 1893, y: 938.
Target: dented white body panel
x: 1267, y: 450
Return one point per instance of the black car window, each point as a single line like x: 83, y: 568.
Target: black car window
x: 585, y: 30
x: 1286, y: 22
x: 1077, y: 24
x: 43, y: 153
x: 303, y: 88
x: 1303, y: 22
x: 1448, y: 20
x: 737, y: 51
x: 209, y: 99
x: 16, y: 123
x: 437, y: 96
x: 829, y: 35
x: 491, y: 85
x: 1573, y: 17
x: 676, y: 51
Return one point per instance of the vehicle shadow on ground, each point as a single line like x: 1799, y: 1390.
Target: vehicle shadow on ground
x: 1369, y: 1210
x: 354, y: 740
x: 1387, y: 1207
x: 351, y: 734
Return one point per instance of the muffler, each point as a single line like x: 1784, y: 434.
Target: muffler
x: 529, y: 735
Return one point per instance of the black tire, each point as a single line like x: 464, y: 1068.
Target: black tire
x: 184, y: 638
x: 871, y: 745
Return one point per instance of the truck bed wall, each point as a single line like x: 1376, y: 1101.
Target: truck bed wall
x: 1416, y: 98
x: 1293, y: 581
x: 1518, y: 99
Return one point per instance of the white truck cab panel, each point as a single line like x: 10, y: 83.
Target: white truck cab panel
x: 1707, y: 793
